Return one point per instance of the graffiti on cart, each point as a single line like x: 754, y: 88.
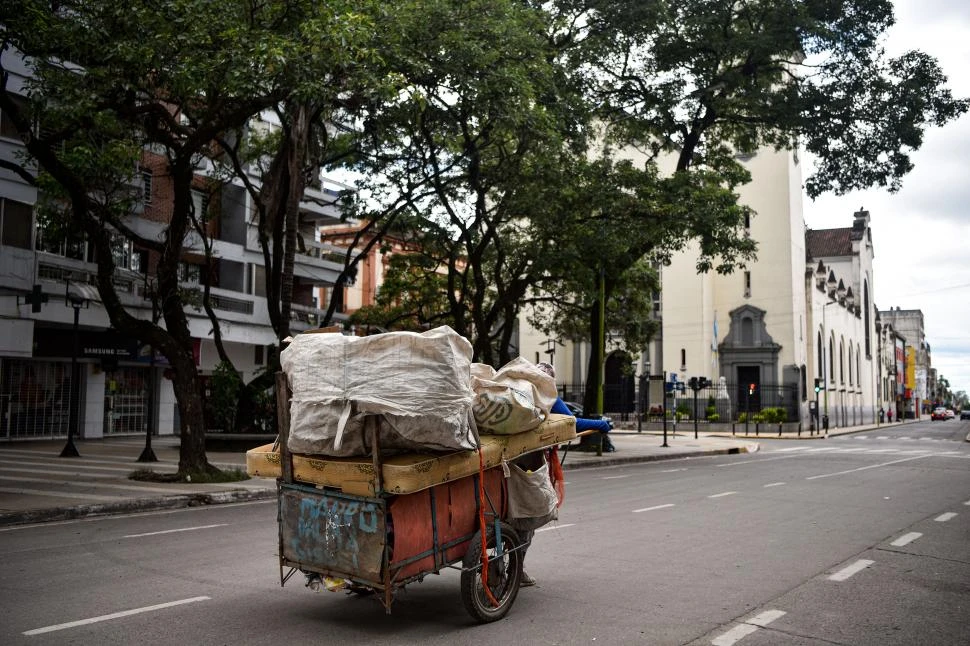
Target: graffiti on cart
x: 328, y: 529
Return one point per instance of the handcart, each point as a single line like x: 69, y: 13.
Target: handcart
x: 376, y: 543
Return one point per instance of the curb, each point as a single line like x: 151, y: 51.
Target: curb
x: 613, y: 461
x: 9, y: 519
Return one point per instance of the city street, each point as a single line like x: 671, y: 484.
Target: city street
x: 859, y: 539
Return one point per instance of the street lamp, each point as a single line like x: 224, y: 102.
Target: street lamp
x: 75, y: 299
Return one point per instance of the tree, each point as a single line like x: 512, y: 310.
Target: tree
x: 476, y: 130
x: 112, y: 82
x: 697, y: 81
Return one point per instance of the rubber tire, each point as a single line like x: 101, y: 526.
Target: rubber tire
x: 504, y: 575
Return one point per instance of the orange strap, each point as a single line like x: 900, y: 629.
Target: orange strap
x: 482, y: 526
x: 556, y: 475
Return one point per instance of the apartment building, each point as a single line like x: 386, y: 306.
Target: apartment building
x: 47, y: 295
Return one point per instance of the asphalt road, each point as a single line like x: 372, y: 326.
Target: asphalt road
x: 857, y: 539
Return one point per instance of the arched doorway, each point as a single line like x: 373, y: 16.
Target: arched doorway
x: 619, y: 384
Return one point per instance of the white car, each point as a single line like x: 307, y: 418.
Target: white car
x: 950, y: 414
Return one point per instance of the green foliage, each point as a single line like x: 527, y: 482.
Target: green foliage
x: 224, y: 387
x: 775, y: 415
x: 713, y: 417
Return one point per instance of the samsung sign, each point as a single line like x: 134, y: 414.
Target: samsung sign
x: 49, y: 342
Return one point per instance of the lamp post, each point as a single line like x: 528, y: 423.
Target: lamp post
x: 76, y: 301
x: 147, y: 454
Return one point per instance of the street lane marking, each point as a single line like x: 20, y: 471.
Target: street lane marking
x: 614, y: 477
x: 862, y: 437
x: 823, y: 448
x: 871, y: 466
x: 875, y: 451
x: 774, y: 484
x: 855, y: 568
x: 673, y: 470
x: 173, y: 531
x: 721, y: 495
x: 967, y: 503
x: 942, y: 518
x: 552, y: 527
x: 669, y: 504
x: 114, y: 615
x: 747, y: 627
x: 883, y: 437
x: 906, y: 539
x: 792, y: 448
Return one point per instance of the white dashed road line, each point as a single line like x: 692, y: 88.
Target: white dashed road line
x: 942, y: 518
x: 906, y: 539
x: 116, y: 615
x: 747, y: 627
x: 637, y: 511
x: 173, y: 531
x: 871, y: 466
x: 722, y: 494
x: 774, y: 484
x: 552, y: 527
x: 855, y: 568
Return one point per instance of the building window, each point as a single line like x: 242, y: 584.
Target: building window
x: 683, y: 359
x: 831, y: 360
x: 16, y: 222
x: 258, y: 355
x: 747, y: 284
x: 146, y: 184
x: 200, y: 204
x: 7, y: 128
x: 841, y: 363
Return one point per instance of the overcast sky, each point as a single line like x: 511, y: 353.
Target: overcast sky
x: 921, y: 235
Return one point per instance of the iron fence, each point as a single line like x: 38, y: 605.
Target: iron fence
x: 725, y: 403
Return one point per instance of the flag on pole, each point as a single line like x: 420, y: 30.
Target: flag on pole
x: 714, y: 346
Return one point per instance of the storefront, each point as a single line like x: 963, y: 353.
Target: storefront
x: 116, y: 378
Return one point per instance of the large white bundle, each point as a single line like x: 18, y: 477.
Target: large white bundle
x: 513, y: 399
x: 418, y: 385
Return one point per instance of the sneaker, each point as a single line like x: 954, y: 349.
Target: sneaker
x: 526, y: 580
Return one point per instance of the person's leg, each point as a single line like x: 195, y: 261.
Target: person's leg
x: 526, y: 537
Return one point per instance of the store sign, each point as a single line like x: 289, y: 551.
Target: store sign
x: 50, y: 342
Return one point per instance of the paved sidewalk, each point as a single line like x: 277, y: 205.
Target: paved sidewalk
x: 37, y: 485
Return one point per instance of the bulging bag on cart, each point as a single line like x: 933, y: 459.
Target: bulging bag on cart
x: 533, y: 500
x: 514, y: 399
x: 418, y: 386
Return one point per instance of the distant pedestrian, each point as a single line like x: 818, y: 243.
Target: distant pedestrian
x: 890, y: 414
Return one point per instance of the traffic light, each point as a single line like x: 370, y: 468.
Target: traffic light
x: 818, y: 385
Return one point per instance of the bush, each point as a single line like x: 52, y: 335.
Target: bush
x: 713, y: 417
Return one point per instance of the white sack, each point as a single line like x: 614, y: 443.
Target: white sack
x: 532, y: 498
x: 516, y: 398
x: 418, y: 384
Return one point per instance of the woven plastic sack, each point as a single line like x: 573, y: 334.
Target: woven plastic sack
x: 514, y: 399
x: 533, y: 500
x: 418, y: 385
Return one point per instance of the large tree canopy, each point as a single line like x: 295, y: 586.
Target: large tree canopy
x: 113, y: 83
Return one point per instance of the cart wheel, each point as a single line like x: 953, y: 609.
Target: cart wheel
x: 504, y: 575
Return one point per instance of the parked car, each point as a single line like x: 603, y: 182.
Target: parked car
x: 938, y: 413
x: 965, y: 413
